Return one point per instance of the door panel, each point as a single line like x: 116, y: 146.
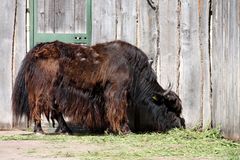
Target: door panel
x: 65, y: 20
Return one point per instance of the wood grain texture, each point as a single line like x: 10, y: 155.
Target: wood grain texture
x: 104, y: 21
x: 225, y: 73
x: 204, y: 35
x: 232, y: 70
x: 126, y: 20
x: 64, y: 16
x: 147, y: 30
x: 237, y: 112
x: 190, y: 71
x: 19, y: 45
x: 169, y: 43
x: 20, y: 38
x: 61, y: 16
x: 49, y: 16
x: 217, y: 60
x: 80, y: 19
x: 6, y: 37
x: 224, y: 111
x: 41, y: 14
x: 235, y: 68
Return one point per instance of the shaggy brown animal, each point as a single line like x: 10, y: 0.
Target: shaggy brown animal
x: 109, y: 86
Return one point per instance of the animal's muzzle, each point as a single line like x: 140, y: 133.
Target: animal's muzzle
x: 182, y: 121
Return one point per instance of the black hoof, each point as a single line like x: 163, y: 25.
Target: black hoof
x: 39, y: 132
x: 66, y: 131
x: 125, y: 129
x: 63, y: 131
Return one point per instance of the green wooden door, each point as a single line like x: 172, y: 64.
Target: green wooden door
x: 65, y: 20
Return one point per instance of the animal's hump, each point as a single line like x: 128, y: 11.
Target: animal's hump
x: 46, y: 50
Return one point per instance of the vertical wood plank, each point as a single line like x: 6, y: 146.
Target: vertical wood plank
x: 217, y: 61
x: 19, y: 45
x: 225, y: 74
x: 80, y: 18
x: 20, y: 38
x: 49, y: 18
x: 104, y: 21
x: 19, y: 42
x: 190, y: 64
x: 204, y: 36
x: 232, y: 122
x: 64, y: 16
x: 41, y: 16
x: 229, y: 122
x: 225, y: 62
x: 147, y: 31
x: 7, y: 14
x: 237, y: 63
x: 169, y: 42
x: 126, y: 20
x: 236, y: 67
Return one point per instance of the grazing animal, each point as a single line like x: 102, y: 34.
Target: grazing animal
x: 109, y: 86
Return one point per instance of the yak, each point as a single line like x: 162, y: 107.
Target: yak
x: 108, y: 87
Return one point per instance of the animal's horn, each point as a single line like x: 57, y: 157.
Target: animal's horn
x: 150, y: 61
x: 168, y: 89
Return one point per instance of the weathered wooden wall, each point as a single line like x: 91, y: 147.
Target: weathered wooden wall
x: 197, y: 52
x: 6, y: 34
x: 12, y: 50
x: 226, y: 67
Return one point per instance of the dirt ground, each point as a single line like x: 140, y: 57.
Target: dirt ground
x: 40, y: 150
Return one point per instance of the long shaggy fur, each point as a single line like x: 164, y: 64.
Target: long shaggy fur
x: 20, y: 95
x: 31, y: 93
x: 106, y: 86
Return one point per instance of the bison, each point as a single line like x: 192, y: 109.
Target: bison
x: 108, y: 87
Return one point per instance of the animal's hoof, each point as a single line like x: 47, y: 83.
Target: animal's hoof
x: 38, y: 130
x: 41, y: 132
x: 58, y: 129
x: 108, y: 131
x: 66, y: 131
x: 125, y: 129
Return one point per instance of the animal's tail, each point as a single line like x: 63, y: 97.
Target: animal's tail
x: 20, y: 106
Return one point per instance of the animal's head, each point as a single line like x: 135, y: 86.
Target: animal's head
x: 170, y: 99
x: 160, y: 112
x: 151, y: 108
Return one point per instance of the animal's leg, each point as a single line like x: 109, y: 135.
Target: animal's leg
x: 53, y: 121
x: 116, y: 107
x: 47, y: 111
x: 55, y: 117
x: 36, y: 113
x: 38, y: 127
x: 62, y: 125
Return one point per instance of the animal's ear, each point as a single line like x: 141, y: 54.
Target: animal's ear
x: 173, y: 103
x: 171, y: 97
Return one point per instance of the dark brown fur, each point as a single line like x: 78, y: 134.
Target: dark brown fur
x: 101, y: 87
